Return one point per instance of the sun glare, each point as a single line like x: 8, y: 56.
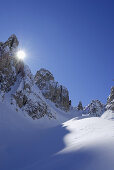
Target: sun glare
x: 21, y: 55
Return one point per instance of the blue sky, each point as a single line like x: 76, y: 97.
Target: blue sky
x: 74, y: 39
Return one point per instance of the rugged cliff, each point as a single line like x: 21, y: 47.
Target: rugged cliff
x: 95, y: 108
x: 51, y: 89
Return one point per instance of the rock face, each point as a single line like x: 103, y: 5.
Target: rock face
x: 9, y: 65
x: 15, y: 75
x: 9, y: 46
x: 51, y: 89
x: 29, y: 98
x: 95, y: 108
x: 110, y: 101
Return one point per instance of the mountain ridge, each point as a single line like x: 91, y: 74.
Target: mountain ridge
x: 33, y: 92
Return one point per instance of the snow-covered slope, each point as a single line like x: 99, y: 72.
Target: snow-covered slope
x: 109, y: 114
x: 27, y: 144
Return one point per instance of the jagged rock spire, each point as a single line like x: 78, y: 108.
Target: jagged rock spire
x: 9, y: 65
x: 12, y: 41
x: 9, y: 47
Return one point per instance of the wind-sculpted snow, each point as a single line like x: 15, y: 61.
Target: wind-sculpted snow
x: 109, y: 115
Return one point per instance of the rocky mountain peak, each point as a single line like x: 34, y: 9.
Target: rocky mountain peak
x: 29, y: 98
x: 12, y: 41
x: 95, y: 108
x: 10, y: 46
x: 51, y: 89
x: 43, y: 75
x: 10, y: 66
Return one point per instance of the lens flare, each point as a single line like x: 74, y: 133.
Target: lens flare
x: 21, y: 55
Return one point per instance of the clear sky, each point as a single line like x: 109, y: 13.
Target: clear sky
x: 74, y: 39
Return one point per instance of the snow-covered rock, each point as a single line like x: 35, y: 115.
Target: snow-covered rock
x: 110, y: 101
x: 9, y: 64
x: 29, y: 98
x: 95, y: 108
x: 52, y: 90
x: 9, y: 47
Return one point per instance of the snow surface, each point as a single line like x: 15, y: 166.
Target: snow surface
x: 108, y: 115
x: 78, y: 144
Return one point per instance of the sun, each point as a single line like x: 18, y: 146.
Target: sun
x: 21, y: 55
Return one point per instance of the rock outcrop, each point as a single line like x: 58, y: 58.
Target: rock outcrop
x: 110, y: 101
x: 52, y: 90
x: 9, y: 64
x: 95, y: 108
x: 29, y: 98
